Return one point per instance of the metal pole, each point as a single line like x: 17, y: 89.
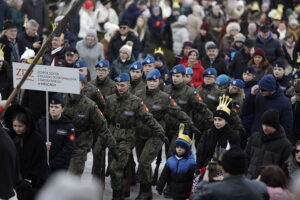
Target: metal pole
x: 47, y: 124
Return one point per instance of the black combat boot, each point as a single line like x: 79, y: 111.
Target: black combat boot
x: 145, y: 192
x: 118, y: 195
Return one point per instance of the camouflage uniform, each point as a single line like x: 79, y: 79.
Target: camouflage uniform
x: 89, y: 121
x: 210, y: 95
x: 147, y: 147
x: 136, y: 85
x: 107, y: 87
x: 94, y: 94
x: 123, y: 113
x: 237, y: 102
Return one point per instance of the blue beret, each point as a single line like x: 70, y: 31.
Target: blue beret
x: 153, y: 75
x: 238, y: 83
x: 210, y: 71
x: 267, y: 83
x: 223, y: 79
x: 296, y: 75
x: 148, y: 60
x: 136, y: 65
x: 189, y: 71
x: 123, y: 77
x: 102, y: 63
x: 81, y: 77
x: 177, y: 69
x: 80, y: 64
x: 57, y: 99
x: 249, y: 69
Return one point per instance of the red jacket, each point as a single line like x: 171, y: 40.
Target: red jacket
x: 197, y: 72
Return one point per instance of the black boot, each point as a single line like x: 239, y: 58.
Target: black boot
x: 145, y: 192
x: 118, y: 195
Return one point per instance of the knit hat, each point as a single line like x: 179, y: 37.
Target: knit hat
x: 102, y: 63
x: 91, y: 32
x: 123, y: 77
x: 296, y: 75
x: 136, y: 65
x: 28, y: 53
x: 154, y: 74
x: 57, y: 99
x: 177, y: 69
x: 233, y: 26
x: 238, y: 83
x: 259, y: 52
x: 127, y: 48
x: 184, y: 141
x: 210, y: 71
x: 148, y: 60
x: 204, y: 26
x: 88, y: 4
x: 249, y: 69
x: 252, y: 26
x: 223, y: 110
x: 189, y: 71
x: 249, y: 43
x: 110, y: 27
x: 234, y: 161
x: 182, y: 19
x: 239, y: 38
x: 293, y: 22
x: 210, y: 45
x: 187, y: 44
x: 8, y: 24
x: 194, y: 50
x: 279, y: 63
x: 222, y: 79
x: 297, y: 87
x: 267, y: 83
x: 271, y: 118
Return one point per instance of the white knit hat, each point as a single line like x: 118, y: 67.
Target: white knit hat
x: 28, y: 53
x: 182, y: 20
x: 127, y: 48
x: 239, y: 38
x: 233, y: 26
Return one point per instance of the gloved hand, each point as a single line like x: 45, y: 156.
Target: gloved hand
x: 115, y: 153
x: 165, y: 140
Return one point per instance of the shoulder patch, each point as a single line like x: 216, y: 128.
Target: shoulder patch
x: 172, y: 102
x: 145, y: 107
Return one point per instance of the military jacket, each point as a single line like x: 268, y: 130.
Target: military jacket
x: 86, y: 117
x: 136, y: 85
x: 93, y: 93
x: 210, y: 95
x: 107, y: 87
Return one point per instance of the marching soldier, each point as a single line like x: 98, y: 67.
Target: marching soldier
x: 136, y: 74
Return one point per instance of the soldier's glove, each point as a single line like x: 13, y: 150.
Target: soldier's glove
x: 195, y: 130
x: 165, y: 140
x: 115, y: 153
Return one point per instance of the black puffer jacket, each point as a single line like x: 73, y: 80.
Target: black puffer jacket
x: 273, y: 149
x: 219, y: 64
x: 236, y: 67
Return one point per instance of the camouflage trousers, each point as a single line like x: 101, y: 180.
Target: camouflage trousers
x: 83, y: 145
x: 147, y: 150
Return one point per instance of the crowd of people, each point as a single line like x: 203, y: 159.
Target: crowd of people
x: 219, y: 77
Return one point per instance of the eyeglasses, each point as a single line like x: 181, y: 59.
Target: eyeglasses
x: 123, y: 27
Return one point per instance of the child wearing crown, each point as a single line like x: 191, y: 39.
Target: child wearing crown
x: 179, y: 169
x: 214, y: 143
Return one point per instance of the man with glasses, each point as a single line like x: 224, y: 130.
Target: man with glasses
x: 120, y: 39
x: 268, y: 95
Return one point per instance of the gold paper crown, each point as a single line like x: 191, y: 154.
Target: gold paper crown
x: 159, y: 50
x: 223, y: 104
x: 25, y: 21
x: 30, y: 60
x: 183, y: 136
x: 255, y: 6
x: 1, y: 51
x: 176, y: 4
x: 54, y: 25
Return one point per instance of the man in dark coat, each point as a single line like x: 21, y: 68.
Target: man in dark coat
x: 267, y: 95
x: 120, y: 39
x: 4, y: 14
x: 272, y: 47
x: 8, y: 167
x: 240, y: 61
x: 269, y: 146
x: 213, y: 58
x: 61, y: 135
x: 37, y: 10
x: 234, y: 185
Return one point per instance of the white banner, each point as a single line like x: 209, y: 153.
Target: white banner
x: 47, y: 78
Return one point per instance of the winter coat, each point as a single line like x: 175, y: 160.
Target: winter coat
x: 180, y: 35
x: 271, y: 47
x: 296, y: 114
x: 215, y: 22
x: 199, y: 43
x: 226, y: 43
x: 107, y: 87
x: 292, y: 166
x: 6, y: 84
x: 258, y: 104
x: 232, y: 187
x: 4, y: 14
x: 8, y: 49
x: 131, y: 14
x: 118, y: 67
x: 91, y: 54
x: 31, y: 150
x: 9, y: 165
x: 54, y: 57
x: 210, y: 95
x: 259, y: 73
x: 178, y: 174
x: 198, y: 70
x: 213, y: 142
x: 37, y: 11
x: 62, y: 144
x: 104, y: 15
x: 86, y: 21
x: 116, y: 43
x: 284, y: 83
x: 219, y: 64
x: 288, y: 50
x: 278, y: 193
x: 193, y: 26
x: 25, y: 41
x: 248, y: 119
x: 262, y: 150
x: 239, y: 62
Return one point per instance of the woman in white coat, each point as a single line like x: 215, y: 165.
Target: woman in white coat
x: 180, y: 34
